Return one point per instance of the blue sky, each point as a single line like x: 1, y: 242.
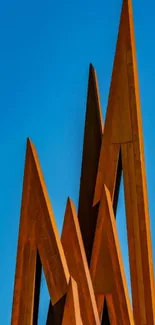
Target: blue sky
x: 45, y: 51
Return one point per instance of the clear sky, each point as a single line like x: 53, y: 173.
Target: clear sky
x: 45, y: 51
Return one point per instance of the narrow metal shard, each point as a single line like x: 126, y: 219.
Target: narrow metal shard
x: 112, y: 271
x: 123, y: 128
x: 47, y: 237
x: 75, y: 255
x: 37, y: 231
x: 87, y: 214
x: 72, y: 315
x: 22, y: 311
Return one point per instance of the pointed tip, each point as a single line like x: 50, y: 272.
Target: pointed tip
x: 92, y: 73
x: 30, y: 143
x: 105, y: 194
x: 93, y: 89
x: 70, y: 205
x: 69, y: 217
x: 127, y: 11
x: 106, y: 190
x: 31, y: 151
x: 91, y: 68
x: 72, y: 282
x: 69, y: 200
x: 124, y: 80
x: 72, y: 312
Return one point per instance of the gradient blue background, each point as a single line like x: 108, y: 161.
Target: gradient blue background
x: 45, y: 50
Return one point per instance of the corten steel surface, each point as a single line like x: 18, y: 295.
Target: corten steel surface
x: 84, y: 269
x: 37, y: 231
x: 112, y: 272
x: 91, y: 152
x: 75, y: 255
x: 123, y: 129
x: 72, y: 313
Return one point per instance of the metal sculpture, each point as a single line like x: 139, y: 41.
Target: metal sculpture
x: 84, y: 269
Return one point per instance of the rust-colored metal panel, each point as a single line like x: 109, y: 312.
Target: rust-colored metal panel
x: 137, y: 236
x: 133, y: 234
x: 109, y: 160
x: 123, y: 126
x: 75, y: 255
x: 143, y: 220
x: 111, y: 163
x: 72, y: 315
x: 111, y: 310
x: 48, y: 240
x: 100, y: 260
x: 22, y: 311
x: 87, y: 214
x: 118, y: 124
x: 37, y: 230
x: 106, y: 228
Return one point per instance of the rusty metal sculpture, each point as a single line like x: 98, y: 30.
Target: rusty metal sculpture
x: 84, y: 269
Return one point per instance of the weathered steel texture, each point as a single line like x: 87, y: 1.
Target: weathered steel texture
x: 48, y: 240
x: 37, y: 231
x: 22, y: 311
x: 72, y: 314
x: 123, y: 127
x: 87, y: 214
x: 141, y: 219
x: 93, y: 132
x: 113, y: 272
x: 138, y: 239
x: 77, y: 263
